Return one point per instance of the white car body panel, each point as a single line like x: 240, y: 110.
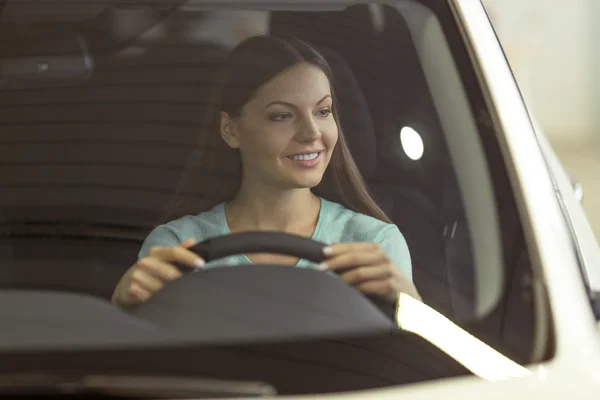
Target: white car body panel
x: 544, y: 223
x: 584, y: 235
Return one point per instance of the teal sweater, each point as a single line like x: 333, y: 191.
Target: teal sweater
x: 336, y: 224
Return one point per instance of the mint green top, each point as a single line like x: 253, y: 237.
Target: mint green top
x: 336, y: 224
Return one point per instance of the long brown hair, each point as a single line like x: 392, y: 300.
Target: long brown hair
x: 215, y: 172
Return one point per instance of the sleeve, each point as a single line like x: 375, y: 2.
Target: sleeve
x: 161, y: 236
x: 393, y: 243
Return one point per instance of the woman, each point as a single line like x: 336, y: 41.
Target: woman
x: 283, y: 150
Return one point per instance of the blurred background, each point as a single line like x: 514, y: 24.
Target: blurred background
x: 551, y: 48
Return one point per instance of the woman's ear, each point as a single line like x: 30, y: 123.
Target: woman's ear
x: 228, y: 130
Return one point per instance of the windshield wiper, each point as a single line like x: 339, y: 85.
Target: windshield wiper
x: 133, y: 386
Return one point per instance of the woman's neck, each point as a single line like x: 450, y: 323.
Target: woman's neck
x: 258, y: 208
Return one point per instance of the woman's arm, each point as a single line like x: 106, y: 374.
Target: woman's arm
x: 154, y: 268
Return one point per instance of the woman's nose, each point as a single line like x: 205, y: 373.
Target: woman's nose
x: 310, y: 130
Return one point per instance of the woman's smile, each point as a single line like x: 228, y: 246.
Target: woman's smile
x: 306, y: 160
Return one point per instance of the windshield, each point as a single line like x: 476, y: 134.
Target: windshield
x: 314, y: 185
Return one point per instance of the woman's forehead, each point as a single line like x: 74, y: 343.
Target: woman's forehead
x: 299, y: 84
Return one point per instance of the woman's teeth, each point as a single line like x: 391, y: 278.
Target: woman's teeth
x: 305, y: 157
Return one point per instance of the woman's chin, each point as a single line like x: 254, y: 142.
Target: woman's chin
x: 303, y: 179
x: 306, y: 182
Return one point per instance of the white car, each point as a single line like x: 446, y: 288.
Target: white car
x: 101, y: 104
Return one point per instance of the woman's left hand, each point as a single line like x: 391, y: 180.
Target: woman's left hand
x: 367, y: 268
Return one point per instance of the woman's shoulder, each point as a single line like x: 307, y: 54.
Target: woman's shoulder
x: 353, y: 226
x: 344, y: 225
x: 200, y: 227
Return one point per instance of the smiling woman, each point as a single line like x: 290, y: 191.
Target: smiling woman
x: 287, y: 141
x: 268, y: 85
x: 276, y: 114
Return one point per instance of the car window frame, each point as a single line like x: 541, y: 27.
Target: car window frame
x: 554, y: 263
x: 582, y: 235
x: 583, y: 239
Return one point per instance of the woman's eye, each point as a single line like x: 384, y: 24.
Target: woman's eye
x: 280, y: 117
x: 324, y: 113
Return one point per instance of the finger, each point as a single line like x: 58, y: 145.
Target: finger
x: 339, y: 248
x: 359, y: 275
x: 354, y: 259
x: 159, y: 269
x: 188, y: 243
x: 177, y: 254
x: 146, y: 280
x: 138, y: 293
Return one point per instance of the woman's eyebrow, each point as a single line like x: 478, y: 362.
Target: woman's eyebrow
x: 327, y: 96
x: 285, y: 103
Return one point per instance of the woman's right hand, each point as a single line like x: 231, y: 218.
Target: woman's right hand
x: 149, y: 274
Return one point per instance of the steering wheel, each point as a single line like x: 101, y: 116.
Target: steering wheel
x: 260, y: 242
x: 264, y: 302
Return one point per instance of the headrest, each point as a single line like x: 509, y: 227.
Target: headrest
x: 355, y: 117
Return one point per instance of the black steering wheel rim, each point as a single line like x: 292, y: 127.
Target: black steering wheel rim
x: 260, y: 242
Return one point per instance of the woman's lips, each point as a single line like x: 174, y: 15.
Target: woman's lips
x: 307, y: 163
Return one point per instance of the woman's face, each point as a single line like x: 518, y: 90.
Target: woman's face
x: 286, y: 132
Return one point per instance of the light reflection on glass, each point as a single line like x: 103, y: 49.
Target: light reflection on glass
x: 412, y: 143
x: 479, y: 358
